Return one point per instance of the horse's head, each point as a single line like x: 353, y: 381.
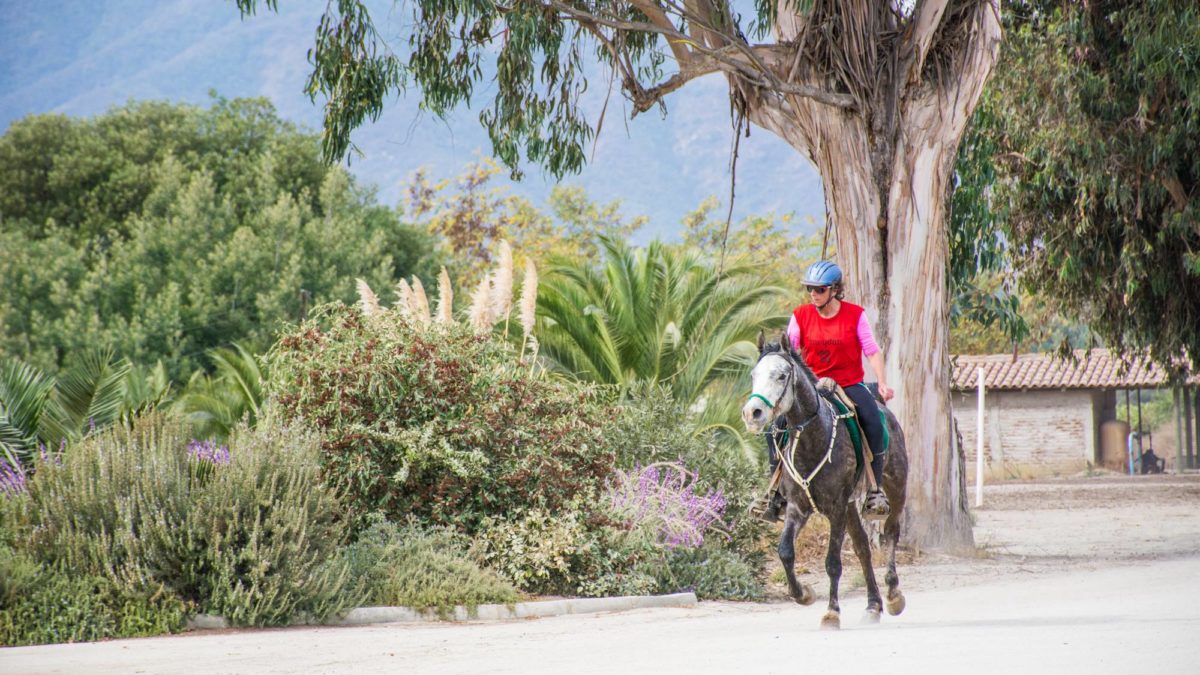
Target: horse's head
x: 771, y: 383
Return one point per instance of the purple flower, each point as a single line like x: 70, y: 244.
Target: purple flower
x: 207, y: 451
x: 662, y: 498
x: 56, y: 458
x: 12, y: 477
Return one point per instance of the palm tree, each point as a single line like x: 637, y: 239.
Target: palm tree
x: 663, y: 315
x: 40, y: 410
x: 216, y: 403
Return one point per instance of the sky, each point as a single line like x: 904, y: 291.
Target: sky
x: 82, y: 57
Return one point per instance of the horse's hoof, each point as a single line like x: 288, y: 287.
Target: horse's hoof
x: 895, y: 603
x: 871, y: 616
x: 807, y: 595
x: 831, y: 621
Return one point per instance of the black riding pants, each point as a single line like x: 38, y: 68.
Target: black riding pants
x: 872, y: 426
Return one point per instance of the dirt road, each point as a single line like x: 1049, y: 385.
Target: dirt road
x: 1097, y: 575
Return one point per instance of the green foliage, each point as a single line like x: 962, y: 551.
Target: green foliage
x: 216, y: 403
x: 658, y: 315
x: 770, y: 243
x: 161, y: 231
x: 96, y: 391
x: 711, y: 573
x: 1095, y: 143
x: 653, y: 427
x: 537, y: 550
x: 470, y: 219
x: 436, y: 421
x: 254, y: 539
x: 422, y: 568
x: 58, y: 606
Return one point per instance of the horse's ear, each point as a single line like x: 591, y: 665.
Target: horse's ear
x: 784, y: 343
x: 762, y: 338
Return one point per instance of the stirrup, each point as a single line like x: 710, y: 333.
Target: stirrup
x: 876, y: 506
x: 768, y: 507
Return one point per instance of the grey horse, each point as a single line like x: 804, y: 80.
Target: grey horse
x: 824, y: 462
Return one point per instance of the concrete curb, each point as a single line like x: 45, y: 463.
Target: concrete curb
x: 362, y: 616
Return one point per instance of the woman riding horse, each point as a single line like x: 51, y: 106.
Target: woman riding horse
x: 821, y: 471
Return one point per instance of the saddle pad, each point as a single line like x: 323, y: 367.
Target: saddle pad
x: 856, y: 432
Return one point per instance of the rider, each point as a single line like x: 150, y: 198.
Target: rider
x: 833, y: 335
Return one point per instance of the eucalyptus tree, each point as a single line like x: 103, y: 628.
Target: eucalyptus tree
x: 1098, y: 193
x: 658, y: 315
x: 876, y: 93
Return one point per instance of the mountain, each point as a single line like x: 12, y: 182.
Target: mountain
x: 80, y: 58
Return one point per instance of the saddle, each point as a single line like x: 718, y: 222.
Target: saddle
x: 834, y: 393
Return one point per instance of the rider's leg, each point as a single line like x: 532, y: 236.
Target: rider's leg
x: 872, y: 426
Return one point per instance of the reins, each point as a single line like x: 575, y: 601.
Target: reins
x: 788, y: 458
x: 789, y: 461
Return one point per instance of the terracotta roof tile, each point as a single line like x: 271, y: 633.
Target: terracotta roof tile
x: 1096, y: 369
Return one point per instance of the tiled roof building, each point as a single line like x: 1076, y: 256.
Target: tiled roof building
x: 1055, y: 413
x: 1094, y: 369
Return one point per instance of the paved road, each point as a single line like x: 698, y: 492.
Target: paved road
x: 1132, y: 618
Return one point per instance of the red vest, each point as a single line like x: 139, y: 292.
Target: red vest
x: 830, y: 346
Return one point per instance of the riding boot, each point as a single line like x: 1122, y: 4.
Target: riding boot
x: 769, y: 506
x: 876, y: 506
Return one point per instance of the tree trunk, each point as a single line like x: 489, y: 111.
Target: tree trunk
x: 885, y: 195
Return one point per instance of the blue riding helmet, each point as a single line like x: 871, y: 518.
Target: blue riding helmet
x: 823, y: 273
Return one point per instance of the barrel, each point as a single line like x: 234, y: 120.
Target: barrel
x: 1114, y: 439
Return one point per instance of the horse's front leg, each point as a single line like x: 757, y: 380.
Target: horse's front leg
x: 793, y: 523
x: 833, y: 567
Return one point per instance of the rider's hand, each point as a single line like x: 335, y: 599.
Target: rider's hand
x: 886, y: 392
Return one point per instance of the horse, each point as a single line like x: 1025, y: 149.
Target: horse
x: 825, y: 467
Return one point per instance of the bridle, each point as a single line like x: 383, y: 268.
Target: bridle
x: 787, y: 458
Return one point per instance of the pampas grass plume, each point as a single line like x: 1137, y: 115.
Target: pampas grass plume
x: 445, y: 306
x: 529, y: 298
x: 480, y: 313
x: 420, y: 302
x: 368, y: 302
x: 502, y: 284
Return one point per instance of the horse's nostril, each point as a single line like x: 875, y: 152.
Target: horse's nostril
x: 756, y: 413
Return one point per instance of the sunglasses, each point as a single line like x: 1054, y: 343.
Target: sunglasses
x: 817, y: 289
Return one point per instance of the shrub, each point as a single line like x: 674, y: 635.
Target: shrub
x: 254, y: 539
x: 437, y: 421
x: 712, y: 573
x: 536, y: 550
x: 422, y: 568
x: 40, y: 605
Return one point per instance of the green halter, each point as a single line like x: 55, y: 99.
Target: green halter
x: 761, y: 398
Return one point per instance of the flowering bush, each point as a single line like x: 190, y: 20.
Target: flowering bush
x: 661, y: 498
x: 253, y: 535
x: 12, y: 477
x: 207, y: 451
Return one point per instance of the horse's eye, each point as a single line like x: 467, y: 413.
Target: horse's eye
x: 781, y: 377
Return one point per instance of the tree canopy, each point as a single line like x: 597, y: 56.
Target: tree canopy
x: 161, y: 231
x: 1092, y: 134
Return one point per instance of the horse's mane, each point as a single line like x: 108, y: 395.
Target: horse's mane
x: 777, y: 348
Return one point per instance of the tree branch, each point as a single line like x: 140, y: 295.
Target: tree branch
x: 736, y: 58
x: 919, y: 39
